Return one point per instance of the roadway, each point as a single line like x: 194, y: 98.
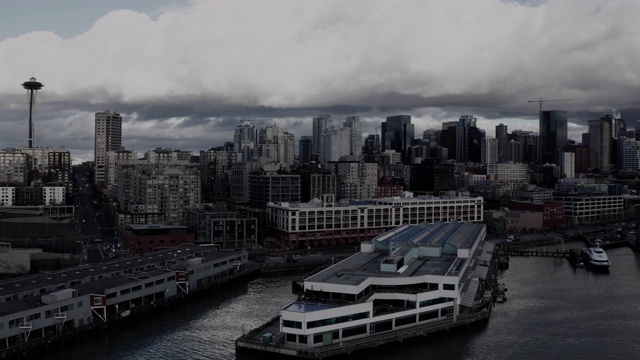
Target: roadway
x: 96, y: 235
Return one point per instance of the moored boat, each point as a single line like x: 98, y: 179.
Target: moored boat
x: 597, y: 258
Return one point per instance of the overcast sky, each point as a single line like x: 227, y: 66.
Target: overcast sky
x: 184, y: 73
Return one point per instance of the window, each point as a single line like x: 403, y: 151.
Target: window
x: 292, y: 324
x: 428, y: 315
x: 353, y: 331
x: 405, y: 320
x: 382, y: 326
x: 448, y: 287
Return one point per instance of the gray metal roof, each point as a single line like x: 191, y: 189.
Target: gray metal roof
x: 360, y: 266
x: 22, y: 284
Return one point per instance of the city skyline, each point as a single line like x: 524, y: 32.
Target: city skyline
x: 179, y: 86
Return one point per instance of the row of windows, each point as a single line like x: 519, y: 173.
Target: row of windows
x: 439, y: 300
x: 337, y: 320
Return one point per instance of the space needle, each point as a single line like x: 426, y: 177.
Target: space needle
x: 32, y: 86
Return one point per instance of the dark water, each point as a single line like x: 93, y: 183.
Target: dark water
x: 553, y: 312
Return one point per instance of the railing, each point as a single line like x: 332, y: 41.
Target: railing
x: 60, y: 315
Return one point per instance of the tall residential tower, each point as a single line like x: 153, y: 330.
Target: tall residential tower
x: 108, y: 137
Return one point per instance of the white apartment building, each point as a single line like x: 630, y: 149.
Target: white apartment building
x: 508, y: 172
x: 53, y: 195
x: 590, y: 208
x: 7, y: 196
x: 326, y: 222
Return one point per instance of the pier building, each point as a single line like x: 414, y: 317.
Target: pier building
x: 407, y: 282
x: 38, y: 308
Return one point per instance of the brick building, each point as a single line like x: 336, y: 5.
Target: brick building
x: 552, y: 211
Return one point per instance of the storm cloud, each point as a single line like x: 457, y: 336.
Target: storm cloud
x: 185, y: 77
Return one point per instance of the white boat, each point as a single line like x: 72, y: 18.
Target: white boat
x: 597, y: 257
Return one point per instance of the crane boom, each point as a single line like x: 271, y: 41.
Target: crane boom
x: 540, y: 101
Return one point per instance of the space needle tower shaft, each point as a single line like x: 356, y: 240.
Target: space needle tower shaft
x: 32, y: 86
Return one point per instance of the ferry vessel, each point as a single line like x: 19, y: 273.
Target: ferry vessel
x: 407, y: 282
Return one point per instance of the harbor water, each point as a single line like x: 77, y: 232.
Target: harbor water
x: 553, y: 311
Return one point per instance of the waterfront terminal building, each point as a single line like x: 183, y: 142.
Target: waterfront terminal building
x: 37, y: 308
x: 409, y: 281
x: 325, y: 222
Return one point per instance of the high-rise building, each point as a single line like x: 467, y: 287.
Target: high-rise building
x: 305, y: 147
x: 568, y: 164
x: 108, y: 137
x: 502, y: 137
x: 336, y: 143
x: 244, y: 141
x: 215, y: 165
x: 276, y: 144
x: 372, y: 144
x: 581, y: 157
x: 599, y: 144
x: 447, y: 138
x: 528, y: 145
x: 489, y: 151
x: 468, y: 140
x: 631, y: 154
x: 288, y: 148
x: 353, y: 124
x: 553, y: 135
x: 320, y: 124
x: 398, y: 134
x: 513, y: 151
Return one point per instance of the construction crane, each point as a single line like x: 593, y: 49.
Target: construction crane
x: 540, y: 101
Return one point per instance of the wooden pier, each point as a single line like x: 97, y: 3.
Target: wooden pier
x: 539, y: 252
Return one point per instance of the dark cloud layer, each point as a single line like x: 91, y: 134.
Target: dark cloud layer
x: 186, y: 77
